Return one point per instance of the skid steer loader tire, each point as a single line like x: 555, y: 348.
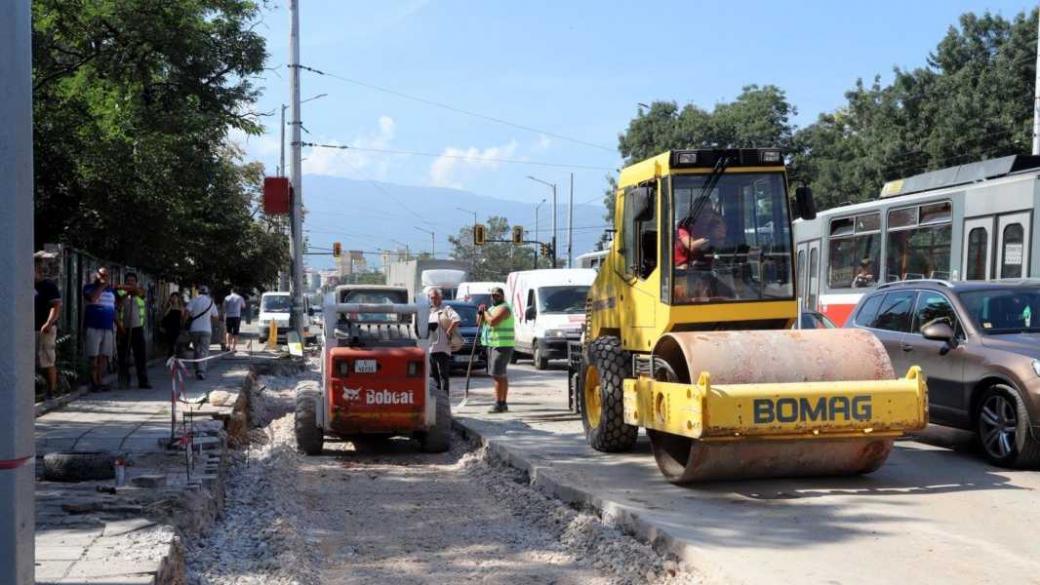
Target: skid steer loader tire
x: 602, y: 397
x: 310, y: 439
x: 438, y: 438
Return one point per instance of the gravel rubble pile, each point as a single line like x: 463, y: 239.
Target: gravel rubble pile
x: 260, y: 539
x: 581, y: 534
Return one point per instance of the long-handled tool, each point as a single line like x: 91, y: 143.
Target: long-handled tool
x: 469, y: 366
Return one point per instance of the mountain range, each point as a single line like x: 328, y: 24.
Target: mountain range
x: 370, y: 216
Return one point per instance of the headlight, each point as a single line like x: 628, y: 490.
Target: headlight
x: 1036, y: 367
x: 554, y: 333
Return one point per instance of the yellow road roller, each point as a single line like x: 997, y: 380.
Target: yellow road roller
x: 690, y: 333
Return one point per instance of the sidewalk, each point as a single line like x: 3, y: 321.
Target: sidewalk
x: 86, y: 532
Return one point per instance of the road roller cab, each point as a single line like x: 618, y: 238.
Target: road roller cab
x: 375, y: 373
x: 688, y: 333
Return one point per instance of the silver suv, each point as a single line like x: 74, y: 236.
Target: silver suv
x: 979, y: 346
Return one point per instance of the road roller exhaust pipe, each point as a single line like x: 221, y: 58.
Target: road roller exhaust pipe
x: 773, y: 404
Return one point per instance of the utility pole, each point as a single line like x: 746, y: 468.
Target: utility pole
x: 296, y: 247
x: 570, y: 227
x: 281, y: 145
x: 1036, y: 94
x: 17, y: 473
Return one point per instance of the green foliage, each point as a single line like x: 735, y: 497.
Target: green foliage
x: 760, y: 116
x: 972, y: 101
x: 494, y: 260
x: 133, y: 102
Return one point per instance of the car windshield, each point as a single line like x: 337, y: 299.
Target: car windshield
x: 276, y: 304
x: 562, y: 299
x: 1003, y: 311
x: 468, y: 314
x: 733, y: 242
x: 479, y: 298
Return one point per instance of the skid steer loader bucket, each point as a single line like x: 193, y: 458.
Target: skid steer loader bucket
x: 773, y: 404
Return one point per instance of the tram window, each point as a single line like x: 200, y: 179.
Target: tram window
x: 814, y: 265
x: 801, y: 266
x: 855, y: 249
x: 902, y: 217
x: 936, y: 212
x: 976, y: 267
x: 918, y: 252
x: 1011, y: 255
x: 922, y: 252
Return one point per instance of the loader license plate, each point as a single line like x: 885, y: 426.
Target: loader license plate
x: 365, y: 367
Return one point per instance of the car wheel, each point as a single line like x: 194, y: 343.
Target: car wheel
x: 540, y: 361
x: 1003, y: 428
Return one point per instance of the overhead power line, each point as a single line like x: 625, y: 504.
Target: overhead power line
x: 458, y: 157
x: 457, y: 110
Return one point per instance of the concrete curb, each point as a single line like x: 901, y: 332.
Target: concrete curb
x: 542, y: 478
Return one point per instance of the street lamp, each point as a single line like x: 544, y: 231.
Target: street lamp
x: 281, y: 158
x: 469, y: 211
x: 536, y: 236
x: 433, y: 240
x: 553, y: 187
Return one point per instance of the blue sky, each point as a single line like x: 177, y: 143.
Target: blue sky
x: 573, y: 68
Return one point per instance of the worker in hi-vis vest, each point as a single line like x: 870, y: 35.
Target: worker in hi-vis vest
x: 497, y: 336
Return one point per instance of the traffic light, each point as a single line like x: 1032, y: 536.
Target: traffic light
x: 518, y: 235
x: 479, y: 234
x: 336, y: 249
x: 546, y: 251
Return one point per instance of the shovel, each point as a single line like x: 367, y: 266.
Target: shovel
x: 469, y: 366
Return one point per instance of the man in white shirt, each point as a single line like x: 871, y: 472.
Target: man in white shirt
x: 447, y: 321
x: 233, y: 304
x: 199, y: 317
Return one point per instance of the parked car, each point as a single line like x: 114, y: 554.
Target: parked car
x: 276, y: 306
x: 815, y: 320
x: 468, y: 328
x: 978, y: 344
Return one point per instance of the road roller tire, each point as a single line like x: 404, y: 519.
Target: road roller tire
x: 602, y: 397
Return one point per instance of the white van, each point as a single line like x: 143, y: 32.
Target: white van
x: 276, y: 306
x: 548, y: 309
x: 478, y: 293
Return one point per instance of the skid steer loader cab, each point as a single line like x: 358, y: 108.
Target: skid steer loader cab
x: 375, y: 373
x: 687, y: 333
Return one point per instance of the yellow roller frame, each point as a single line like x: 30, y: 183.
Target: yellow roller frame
x: 781, y: 411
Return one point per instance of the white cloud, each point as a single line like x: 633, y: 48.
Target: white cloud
x: 544, y: 142
x: 263, y: 147
x: 455, y: 163
x: 355, y: 164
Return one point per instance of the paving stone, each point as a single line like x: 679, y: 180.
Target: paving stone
x: 126, y: 526
x: 58, y: 553
x: 47, y: 570
x: 113, y: 568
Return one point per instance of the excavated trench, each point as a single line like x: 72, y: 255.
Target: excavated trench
x: 383, y: 512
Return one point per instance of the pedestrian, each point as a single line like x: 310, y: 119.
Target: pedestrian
x: 130, y: 323
x: 498, y: 338
x: 99, y: 318
x: 47, y: 310
x: 233, y: 304
x: 171, y: 323
x: 199, y: 317
x: 446, y: 320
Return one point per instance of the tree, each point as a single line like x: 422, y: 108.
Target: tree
x: 759, y: 117
x: 971, y: 102
x: 494, y: 260
x: 133, y: 101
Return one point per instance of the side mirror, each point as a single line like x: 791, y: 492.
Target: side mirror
x: 530, y: 314
x: 940, y: 331
x: 642, y: 201
x: 804, y: 203
x: 310, y: 311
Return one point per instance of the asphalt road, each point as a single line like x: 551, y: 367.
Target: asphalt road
x: 936, y: 512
